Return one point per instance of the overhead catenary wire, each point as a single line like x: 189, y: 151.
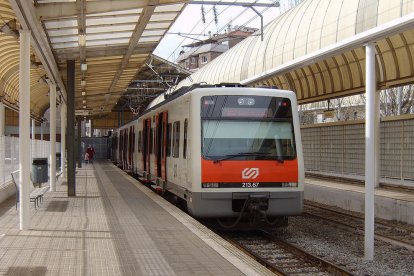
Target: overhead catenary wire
x: 224, y: 26
x: 182, y: 41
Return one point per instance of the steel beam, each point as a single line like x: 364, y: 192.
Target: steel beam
x: 242, y: 4
x: 93, y: 52
x: 71, y: 127
x: 48, y: 11
x: 139, y: 29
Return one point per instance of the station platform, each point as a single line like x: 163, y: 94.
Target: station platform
x: 114, y: 226
x: 390, y: 203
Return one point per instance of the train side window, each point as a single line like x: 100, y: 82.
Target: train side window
x: 185, y: 139
x: 139, y: 141
x: 169, y: 131
x: 176, y: 139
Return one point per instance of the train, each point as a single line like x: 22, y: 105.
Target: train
x: 228, y: 152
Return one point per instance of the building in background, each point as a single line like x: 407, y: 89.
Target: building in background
x: 202, y: 52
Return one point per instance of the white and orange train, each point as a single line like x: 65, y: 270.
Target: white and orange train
x: 227, y: 152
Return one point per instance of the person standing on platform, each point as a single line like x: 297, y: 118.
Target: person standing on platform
x: 90, y: 151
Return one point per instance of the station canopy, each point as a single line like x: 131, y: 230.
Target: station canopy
x: 317, y: 50
x: 110, y: 41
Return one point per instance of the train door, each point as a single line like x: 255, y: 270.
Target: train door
x: 164, y: 146
x: 158, y: 144
x: 130, y: 148
x: 125, y: 151
x: 156, y: 148
x: 133, y: 150
x: 121, y: 148
x: 148, y: 145
x: 144, y: 142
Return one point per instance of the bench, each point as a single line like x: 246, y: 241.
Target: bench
x: 36, y: 194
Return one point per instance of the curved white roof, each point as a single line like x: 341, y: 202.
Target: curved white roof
x: 311, y: 26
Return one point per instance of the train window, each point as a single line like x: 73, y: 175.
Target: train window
x: 185, y: 139
x: 139, y: 141
x: 176, y: 139
x: 169, y: 130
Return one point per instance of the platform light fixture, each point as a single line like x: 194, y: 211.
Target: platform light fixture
x: 84, y: 107
x: 84, y: 66
x: 83, y: 93
x: 84, y: 101
x: 83, y: 82
x: 82, y: 39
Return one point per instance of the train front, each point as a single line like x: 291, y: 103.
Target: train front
x: 251, y: 157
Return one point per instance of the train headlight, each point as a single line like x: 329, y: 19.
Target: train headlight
x: 289, y: 184
x: 210, y: 185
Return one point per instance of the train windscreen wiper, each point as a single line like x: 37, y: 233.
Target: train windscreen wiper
x: 230, y: 156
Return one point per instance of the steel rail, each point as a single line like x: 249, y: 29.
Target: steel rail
x: 290, y: 258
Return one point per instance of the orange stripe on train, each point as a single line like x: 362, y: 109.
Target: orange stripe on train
x: 248, y: 171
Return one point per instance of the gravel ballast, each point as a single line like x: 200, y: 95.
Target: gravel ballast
x: 346, y: 248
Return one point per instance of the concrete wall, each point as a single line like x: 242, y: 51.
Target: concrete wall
x: 385, y: 207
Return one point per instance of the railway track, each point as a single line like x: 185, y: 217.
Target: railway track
x: 394, y: 233
x: 281, y: 257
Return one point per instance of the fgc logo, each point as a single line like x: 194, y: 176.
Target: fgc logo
x: 250, y: 173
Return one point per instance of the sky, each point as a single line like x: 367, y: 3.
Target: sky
x: 190, y: 24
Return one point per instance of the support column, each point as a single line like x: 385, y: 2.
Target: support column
x: 24, y: 129
x: 33, y: 129
x: 377, y: 138
x: 71, y: 127
x: 33, y: 147
x: 52, y: 152
x: 2, y: 141
x: 2, y: 119
x: 63, y: 140
x: 370, y: 155
x: 79, y: 145
x: 41, y: 139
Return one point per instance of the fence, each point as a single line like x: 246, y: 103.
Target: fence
x: 340, y: 148
x: 100, y: 145
x: 9, y: 153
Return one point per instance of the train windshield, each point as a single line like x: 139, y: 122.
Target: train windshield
x: 247, y: 128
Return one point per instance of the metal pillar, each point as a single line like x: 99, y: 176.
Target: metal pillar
x: 370, y: 155
x: 33, y: 129
x: 24, y: 129
x: 33, y: 139
x: 41, y: 139
x: 63, y: 140
x: 79, y: 144
x: 2, y: 119
x: 377, y: 138
x: 71, y: 127
x: 52, y: 152
x: 2, y: 141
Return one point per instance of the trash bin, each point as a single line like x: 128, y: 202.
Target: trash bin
x: 39, y: 170
x: 58, y: 161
